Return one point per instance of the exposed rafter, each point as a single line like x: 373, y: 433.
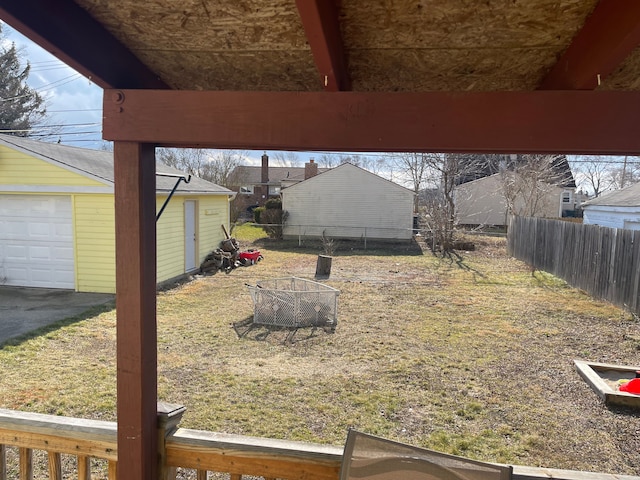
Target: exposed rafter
x: 68, y: 32
x: 608, y: 36
x: 527, y: 122
x: 320, y: 21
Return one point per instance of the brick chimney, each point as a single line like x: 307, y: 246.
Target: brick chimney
x: 310, y: 169
x: 265, y: 169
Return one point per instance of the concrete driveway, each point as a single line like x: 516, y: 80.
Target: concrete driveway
x: 23, y: 310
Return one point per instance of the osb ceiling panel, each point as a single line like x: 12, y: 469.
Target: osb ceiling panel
x: 627, y: 76
x: 214, y: 45
x: 460, y: 45
x: 390, y: 45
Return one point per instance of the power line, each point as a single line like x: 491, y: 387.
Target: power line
x: 48, y: 68
x: 76, y: 110
x: 46, y: 86
x: 58, y: 134
x: 44, y: 127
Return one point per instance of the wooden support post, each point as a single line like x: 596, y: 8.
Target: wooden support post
x: 135, y: 209
x: 169, y: 417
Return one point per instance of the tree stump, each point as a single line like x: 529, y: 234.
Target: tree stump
x: 323, y: 267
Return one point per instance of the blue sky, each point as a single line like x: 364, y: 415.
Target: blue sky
x: 72, y: 100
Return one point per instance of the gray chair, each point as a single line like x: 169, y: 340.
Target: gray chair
x: 374, y: 458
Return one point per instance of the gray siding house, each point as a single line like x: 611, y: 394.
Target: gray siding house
x: 348, y: 202
x: 482, y: 202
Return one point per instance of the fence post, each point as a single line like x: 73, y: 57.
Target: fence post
x: 169, y: 416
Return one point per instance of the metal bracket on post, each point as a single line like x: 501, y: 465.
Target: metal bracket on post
x: 181, y: 178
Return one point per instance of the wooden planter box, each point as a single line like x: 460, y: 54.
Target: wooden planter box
x: 603, y: 378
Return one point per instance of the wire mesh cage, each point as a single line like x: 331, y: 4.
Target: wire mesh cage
x: 294, y: 302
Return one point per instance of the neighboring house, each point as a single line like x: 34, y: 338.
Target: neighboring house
x: 348, y: 202
x: 57, y: 227
x: 481, y: 194
x: 617, y: 209
x: 255, y: 185
x: 483, y: 201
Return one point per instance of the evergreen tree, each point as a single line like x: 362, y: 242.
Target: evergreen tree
x: 21, y: 107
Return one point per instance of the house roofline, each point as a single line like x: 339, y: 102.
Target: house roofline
x: 394, y: 184
x: 55, y: 162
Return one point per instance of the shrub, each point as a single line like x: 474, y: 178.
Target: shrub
x: 271, y: 217
x: 273, y: 204
x: 273, y: 222
x: 257, y: 214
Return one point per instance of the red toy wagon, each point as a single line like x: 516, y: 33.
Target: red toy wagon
x: 250, y: 257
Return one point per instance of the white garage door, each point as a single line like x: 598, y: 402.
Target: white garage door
x: 36, y: 241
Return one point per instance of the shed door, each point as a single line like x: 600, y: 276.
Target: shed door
x: 36, y: 241
x: 190, y: 235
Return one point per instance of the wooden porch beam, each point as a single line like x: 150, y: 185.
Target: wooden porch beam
x: 68, y: 32
x: 608, y: 36
x: 512, y: 122
x: 135, y: 209
x: 320, y: 22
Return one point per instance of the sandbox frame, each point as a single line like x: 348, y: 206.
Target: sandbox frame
x: 597, y: 374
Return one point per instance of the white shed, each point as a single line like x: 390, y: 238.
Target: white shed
x: 617, y: 209
x: 348, y: 202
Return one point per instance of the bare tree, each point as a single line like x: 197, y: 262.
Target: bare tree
x: 374, y: 164
x: 186, y: 160
x: 220, y: 166
x: 593, y: 173
x: 286, y: 159
x: 346, y: 158
x: 328, y: 160
x: 627, y: 174
x: 527, y: 181
x: 448, y: 168
x: 434, y: 176
x: 212, y: 165
x: 413, y: 167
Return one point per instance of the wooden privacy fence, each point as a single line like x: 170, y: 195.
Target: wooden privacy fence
x: 604, y: 262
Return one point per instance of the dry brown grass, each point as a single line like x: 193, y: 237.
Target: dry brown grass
x: 468, y: 355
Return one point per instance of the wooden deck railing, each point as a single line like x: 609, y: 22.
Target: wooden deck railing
x: 84, y: 440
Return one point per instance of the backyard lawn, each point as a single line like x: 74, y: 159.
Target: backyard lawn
x: 471, y: 356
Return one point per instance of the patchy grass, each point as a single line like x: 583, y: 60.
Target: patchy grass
x: 247, y: 232
x: 470, y: 355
